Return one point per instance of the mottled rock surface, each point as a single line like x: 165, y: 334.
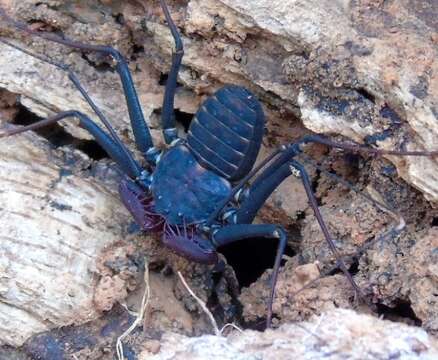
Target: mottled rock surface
x: 338, y: 334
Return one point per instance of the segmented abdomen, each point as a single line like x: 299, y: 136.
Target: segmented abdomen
x: 226, y: 133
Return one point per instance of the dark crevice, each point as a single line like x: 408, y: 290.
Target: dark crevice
x: 354, y: 267
x: 257, y: 325
x: 250, y: 258
x: 335, y: 271
x: 231, y: 312
x: 214, y: 305
x: 289, y: 251
x: 183, y: 118
x: 301, y: 215
x: 57, y: 136
x: 45, y: 27
x: 434, y: 221
x: 352, y: 162
x: 104, y: 63
x: 367, y: 95
x: 315, y: 182
x: 163, y: 79
x: 402, y: 309
x: 120, y: 19
x: 294, y: 239
x: 102, y: 66
x: 92, y: 149
x: 136, y: 50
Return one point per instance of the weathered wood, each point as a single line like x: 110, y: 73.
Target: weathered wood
x: 53, y: 229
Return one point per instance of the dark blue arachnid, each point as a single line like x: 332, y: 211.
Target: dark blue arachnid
x: 194, y: 175
x: 201, y: 192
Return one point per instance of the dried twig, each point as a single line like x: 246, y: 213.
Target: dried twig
x: 140, y: 315
x: 202, y: 304
x: 234, y: 326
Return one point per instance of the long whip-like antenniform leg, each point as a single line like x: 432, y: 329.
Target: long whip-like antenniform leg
x: 233, y: 233
x: 307, y: 160
x: 357, y: 148
x: 73, y: 77
x: 280, y: 156
x: 141, y: 131
x: 130, y: 168
x: 168, y: 116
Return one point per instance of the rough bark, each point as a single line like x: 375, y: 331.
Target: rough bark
x: 54, y: 225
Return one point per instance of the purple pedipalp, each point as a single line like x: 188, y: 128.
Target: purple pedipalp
x: 141, y: 205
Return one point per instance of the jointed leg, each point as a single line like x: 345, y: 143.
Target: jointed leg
x: 220, y: 207
x: 168, y: 116
x: 314, y: 205
x: 289, y: 151
x: 72, y: 76
x: 284, y: 165
x: 307, y: 160
x: 141, y: 131
x: 260, y: 191
x: 132, y: 169
x: 233, y: 233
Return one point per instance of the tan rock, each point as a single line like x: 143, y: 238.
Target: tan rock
x: 336, y: 334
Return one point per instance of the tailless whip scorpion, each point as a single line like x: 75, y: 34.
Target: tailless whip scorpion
x: 203, y: 191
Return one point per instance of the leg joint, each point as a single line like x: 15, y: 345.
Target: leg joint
x: 294, y: 171
x: 74, y: 113
x: 279, y: 232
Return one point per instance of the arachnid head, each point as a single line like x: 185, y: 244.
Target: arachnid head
x: 183, y: 239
